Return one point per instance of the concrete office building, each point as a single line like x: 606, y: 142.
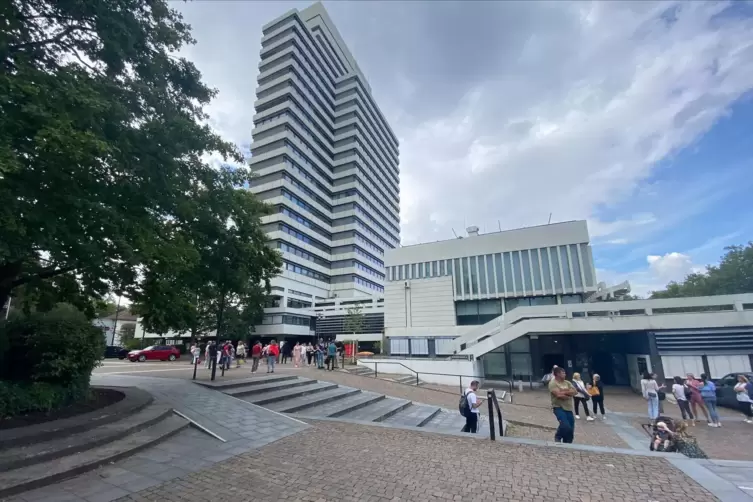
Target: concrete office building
x: 326, y: 159
x: 513, y: 304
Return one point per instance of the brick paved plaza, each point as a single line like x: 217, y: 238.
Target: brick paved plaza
x: 335, y: 461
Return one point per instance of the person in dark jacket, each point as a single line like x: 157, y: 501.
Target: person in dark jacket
x: 596, y: 391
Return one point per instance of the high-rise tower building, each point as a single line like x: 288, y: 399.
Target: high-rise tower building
x: 326, y: 159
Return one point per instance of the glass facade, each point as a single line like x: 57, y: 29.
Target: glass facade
x: 566, y: 269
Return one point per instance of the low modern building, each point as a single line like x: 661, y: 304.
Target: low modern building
x: 510, y: 305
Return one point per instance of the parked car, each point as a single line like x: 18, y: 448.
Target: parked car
x: 113, y: 351
x: 725, y: 389
x: 155, y: 353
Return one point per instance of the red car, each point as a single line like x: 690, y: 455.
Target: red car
x: 155, y: 353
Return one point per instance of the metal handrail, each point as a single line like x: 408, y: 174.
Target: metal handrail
x: 491, y: 397
x: 418, y: 373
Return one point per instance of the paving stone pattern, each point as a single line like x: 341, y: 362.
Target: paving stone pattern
x: 365, y: 463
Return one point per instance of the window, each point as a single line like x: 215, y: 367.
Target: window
x: 443, y: 346
x: 585, y: 252
x: 545, y: 267
x: 565, y: 267
x: 576, y: 266
x: 399, y: 346
x: 507, y: 264
x: 419, y: 346
x: 456, y: 276
x: 443, y: 267
x: 499, y: 271
x: 517, y: 269
x: 465, y: 276
x: 482, y: 275
x: 556, y: 269
x: 475, y: 312
x: 535, y: 269
x: 525, y: 257
x: 474, y: 274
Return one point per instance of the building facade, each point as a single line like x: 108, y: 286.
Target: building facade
x: 441, y: 290
x: 510, y: 305
x: 326, y: 159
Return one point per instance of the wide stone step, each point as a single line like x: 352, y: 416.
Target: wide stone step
x: 281, y: 395
x: 415, y: 415
x: 362, y: 370
x: 134, y: 401
x: 341, y: 407
x: 378, y: 411
x: 298, y: 404
x: 245, y: 382
x: 408, y: 380
x: 65, y: 444
x: 248, y: 390
x: 46, y: 473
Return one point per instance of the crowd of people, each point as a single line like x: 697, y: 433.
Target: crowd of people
x: 323, y: 354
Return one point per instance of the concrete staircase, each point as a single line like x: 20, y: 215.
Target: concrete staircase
x: 403, y: 379
x: 307, y: 398
x: 43, y: 454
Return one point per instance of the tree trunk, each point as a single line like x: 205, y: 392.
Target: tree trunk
x: 9, y: 273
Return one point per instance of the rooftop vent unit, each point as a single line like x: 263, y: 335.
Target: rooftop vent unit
x: 472, y: 231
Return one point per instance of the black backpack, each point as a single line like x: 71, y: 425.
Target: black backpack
x: 463, y: 407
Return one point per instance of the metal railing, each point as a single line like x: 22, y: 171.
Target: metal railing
x: 419, y: 373
x: 491, y: 397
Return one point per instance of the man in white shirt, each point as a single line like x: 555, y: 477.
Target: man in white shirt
x: 474, y: 403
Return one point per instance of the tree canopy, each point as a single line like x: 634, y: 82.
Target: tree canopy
x: 733, y: 275
x: 104, y: 184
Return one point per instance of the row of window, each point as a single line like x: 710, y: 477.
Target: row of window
x: 302, y: 237
x: 295, y: 303
x: 308, y: 40
x: 292, y: 267
x: 286, y: 319
x: 368, y: 270
x: 366, y: 255
x: 368, y: 284
x: 373, y: 234
x: 369, y: 183
x: 284, y: 246
x: 554, y: 269
x: 299, y: 293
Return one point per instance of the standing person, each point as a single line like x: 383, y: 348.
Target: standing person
x: 240, y: 353
x: 695, y: 399
x: 472, y: 411
x: 320, y: 350
x: 255, y: 356
x: 272, y: 353
x: 195, y: 353
x: 650, y: 391
x: 331, y: 355
x: 581, y: 398
x: 743, y: 391
x: 679, y: 390
x: 297, y: 354
x: 562, y: 393
x: 708, y: 393
x: 309, y: 352
x: 281, y: 346
x: 207, y: 357
x: 287, y: 351
x: 596, y: 391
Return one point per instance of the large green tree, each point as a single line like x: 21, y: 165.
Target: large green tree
x: 733, y: 275
x: 102, y: 142
x: 231, y: 265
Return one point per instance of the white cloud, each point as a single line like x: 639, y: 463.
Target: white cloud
x: 511, y: 111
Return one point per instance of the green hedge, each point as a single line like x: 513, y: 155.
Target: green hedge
x: 46, y: 360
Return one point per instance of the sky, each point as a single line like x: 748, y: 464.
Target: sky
x: 635, y: 116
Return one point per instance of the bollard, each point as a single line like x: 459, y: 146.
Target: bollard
x: 195, y: 365
x: 489, y: 400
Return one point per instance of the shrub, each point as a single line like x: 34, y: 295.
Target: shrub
x: 132, y: 344
x: 47, y: 358
x: 17, y: 398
